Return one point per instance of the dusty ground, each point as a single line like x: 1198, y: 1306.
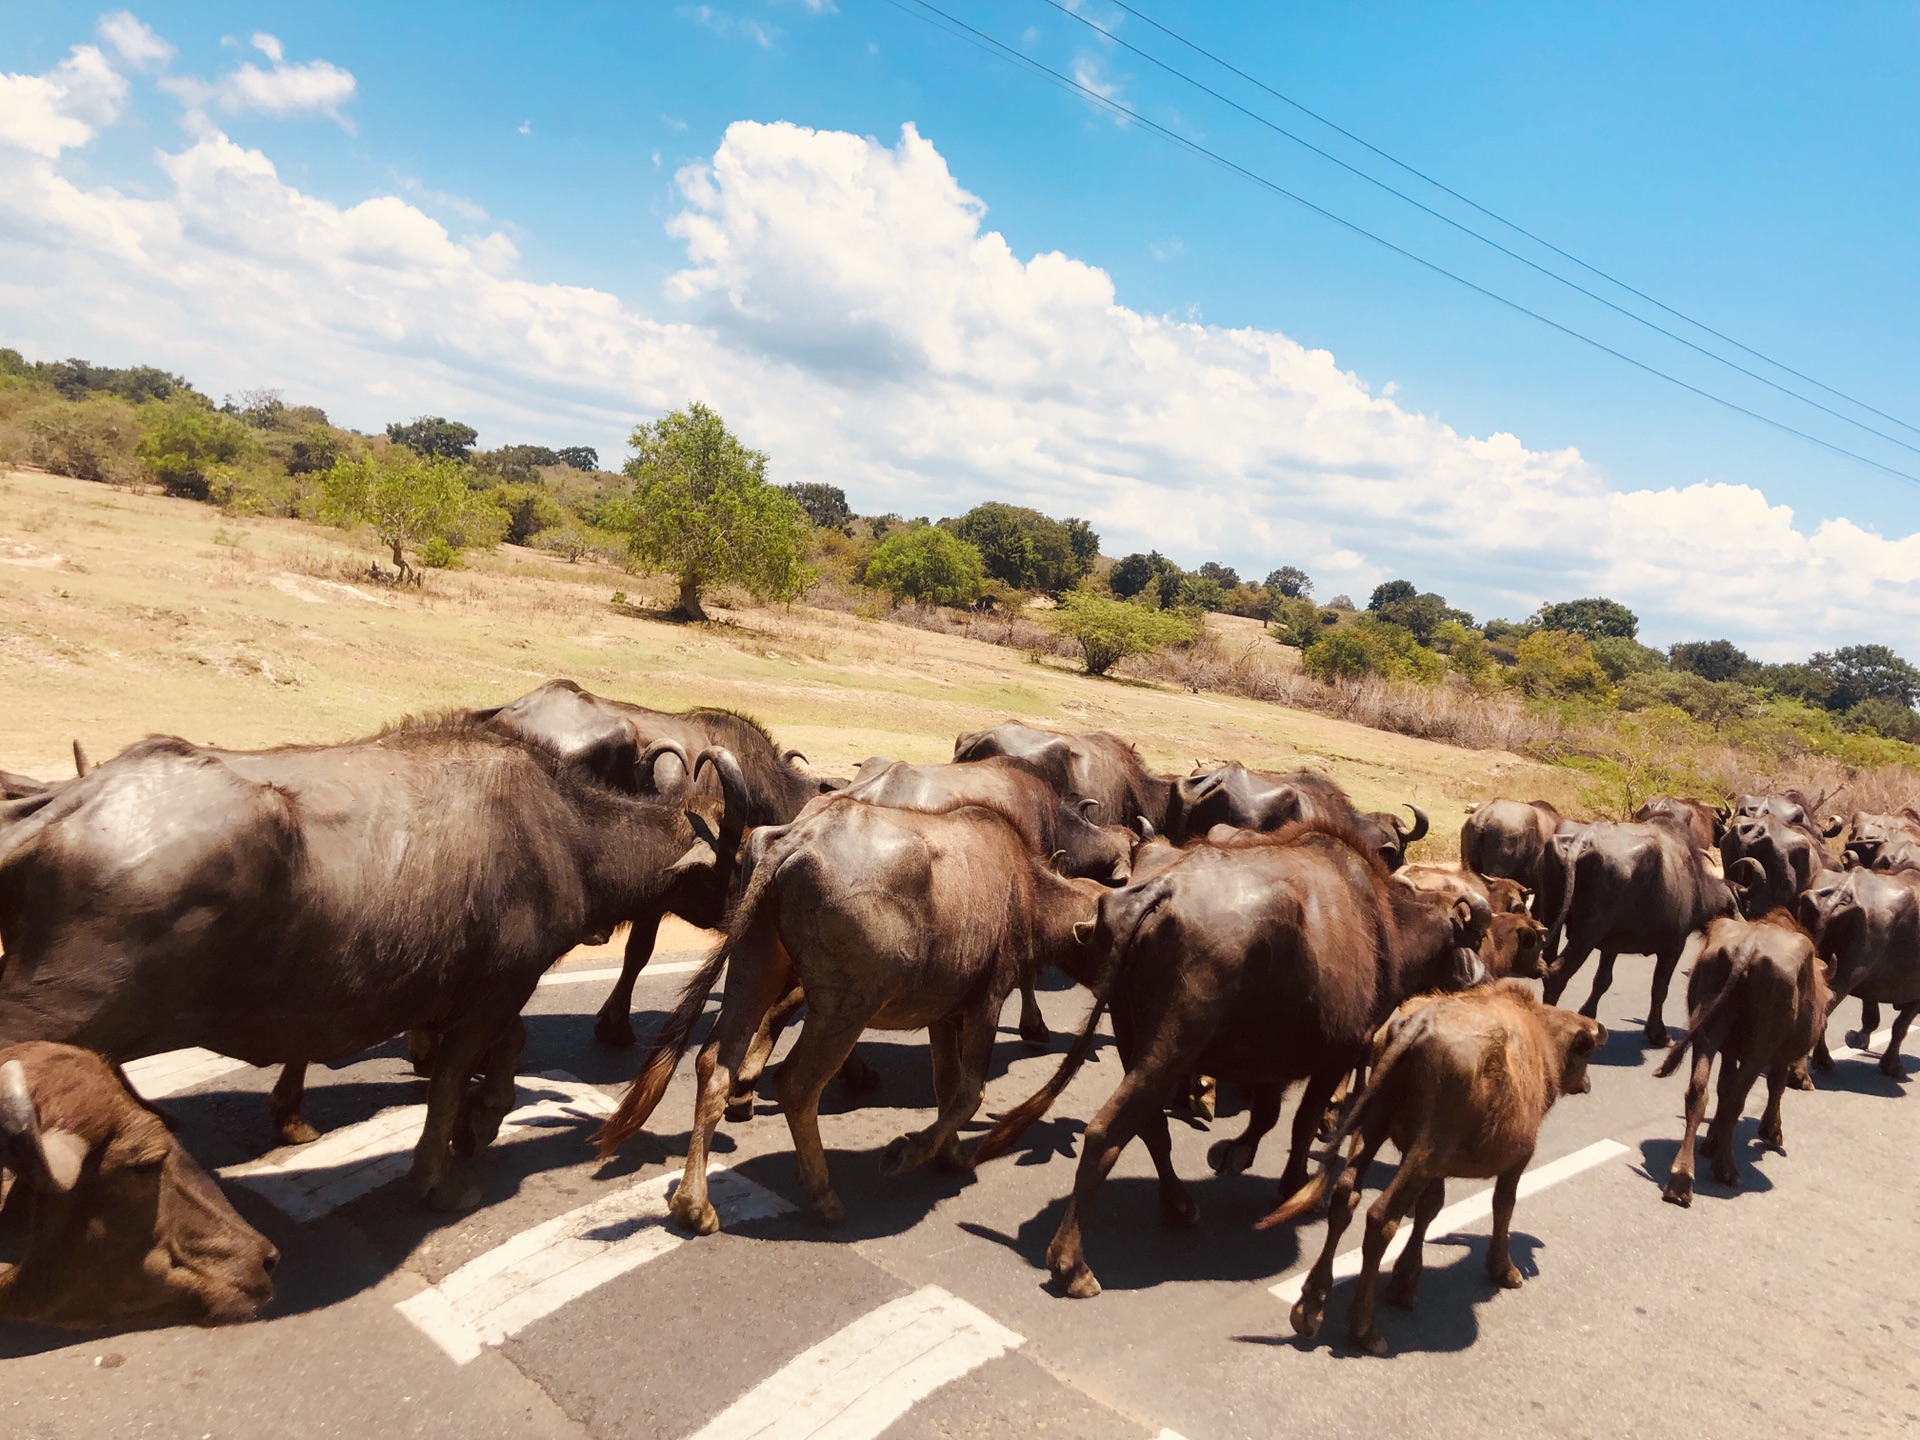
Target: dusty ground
x: 124, y: 614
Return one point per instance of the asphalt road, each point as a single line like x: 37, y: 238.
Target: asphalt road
x: 1785, y: 1309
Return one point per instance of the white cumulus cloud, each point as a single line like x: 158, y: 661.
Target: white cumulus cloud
x: 312, y: 87
x: 132, y: 40
x: 846, y: 305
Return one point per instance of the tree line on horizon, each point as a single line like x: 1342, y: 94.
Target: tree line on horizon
x: 694, y: 502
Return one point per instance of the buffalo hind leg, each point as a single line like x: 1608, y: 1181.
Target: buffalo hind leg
x: 614, y: 1024
x: 1311, y: 1307
x: 489, y: 1101
x: 1679, y: 1189
x: 1306, y: 1124
x: 1663, y: 968
x: 1409, y: 1183
x: 1771, y: 1132
x: 1033, y: 1025
x: 1405, y: 1285
x: 1890, y: 1063
x: 757, y: 976
x: 1735, y: 1081
x: 1231, y: 1157
x: 1869, y: 1022
x: 776, y: 1020
x: 289, y: 1126
x: 1602, y: 982
x: 1139, y: 1095
x: 1500, y: 1267
x: 962, y: 1049
x: 462, y: 1043
x: 824, y: 1044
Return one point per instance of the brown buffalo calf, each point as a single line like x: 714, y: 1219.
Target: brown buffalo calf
x: 1460, y: 1084
x: 1757, y: 998
x: 122, y: 1226
x: 1512, y: 946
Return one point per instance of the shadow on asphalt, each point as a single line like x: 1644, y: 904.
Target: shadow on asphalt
x: 1657, y: 1156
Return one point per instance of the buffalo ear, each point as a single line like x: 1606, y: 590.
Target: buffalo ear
x: 65, y: 1153
x: 700, y: 856
x: 60, y: 1154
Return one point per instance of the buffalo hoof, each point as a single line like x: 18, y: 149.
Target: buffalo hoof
x: 827, y: 1210
x: 1891, y: 1067
x: 1656, y: 1033
x: 1229, y: 1157
x: 1178, y: 1209
x: 739, y: 1109
x: 701, y: 1219
x: 903, y: 1153
x: 452, y: 1195
x: 1858, y: 1038
x: 1370, y: 1344
x: 1402, y: 1291
x: 294, y: 1130
x: 614, y: 1030
x: 1078, y: 1284
x: 1035, y: 1035
x: 1774, y: 1138
x: 1727, y: 1174
x: 1305, y: 1319
x: 1800, y: 1079
x: 1202, y: 1099
x: 1508, y: 1277
x: 859, y: 1075
x: 1679, y: 1191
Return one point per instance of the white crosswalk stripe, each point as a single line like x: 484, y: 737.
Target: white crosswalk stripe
x: 862, y: 1378
x: 312, y: 1181
x: 1458, y: 1216
x: 532, y: 1275
x: 612, y: 972
x: 173, y: 1072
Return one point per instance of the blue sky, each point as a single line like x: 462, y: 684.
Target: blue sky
x: 1755, y: 166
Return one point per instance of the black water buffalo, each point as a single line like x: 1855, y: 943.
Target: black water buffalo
x: 1790, y: 806
x: 304, y: 903
x: 1096, y: 766
x: 1868, y: 925
x: 1705, y: 823
x: 1514, y: 839
x: 649, y: 752
x: 1258, y: 800
x: 1641, y: 889
x: 1269, y: 959
x: 895, y: 919
x: 1757, y: 997
x: 120, y: 1225
x: 17, y: 787
x: 1772, y: 861
x: 1870, y: 836
x: 1503, y: 896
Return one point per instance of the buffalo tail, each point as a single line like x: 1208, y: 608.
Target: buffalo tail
x: 1011, y: 1126
x: 1698, y: 1022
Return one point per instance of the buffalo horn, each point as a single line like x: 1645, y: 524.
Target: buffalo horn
x: 1058, y: 862
x: 733, y: 785
x: 1419, y: 830
x: 1835, y: 824
x: 651, y: 756
x: 1144, y: 826
x: 57, y: 1155
x: 80, y: 766
x: 1083, y: 929
x: 1087, y: 806
x: 790, y: 756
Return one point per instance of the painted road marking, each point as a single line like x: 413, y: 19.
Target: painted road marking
x: 156, y: 1077
x: 1876, y: 1045
x: 539, y: 1270
x: 354, y: 1160
x: 664, y: 967
x: 862, y: 1378
x: 1459, y: 1215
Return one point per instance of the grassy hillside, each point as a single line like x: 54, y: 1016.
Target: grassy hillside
x: 124, y: 614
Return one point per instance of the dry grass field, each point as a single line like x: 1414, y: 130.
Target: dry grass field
x: 125, y: 614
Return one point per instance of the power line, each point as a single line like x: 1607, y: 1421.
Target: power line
x: 955, y: 25
x: 1512, y: 225
x: 1445, y: 219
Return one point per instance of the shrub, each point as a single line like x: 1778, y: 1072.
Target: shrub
x: 93, y: 438
x: 1621, y: 657
x: 188, y: 445
x: 1558, y: 665
x: 437, y: 554
x: 1296, y: 620
x: 406, y: 497
x: 1372, y: 646
x: 1108, y: 630
x: 1713, y: 702
x: 928, y: 564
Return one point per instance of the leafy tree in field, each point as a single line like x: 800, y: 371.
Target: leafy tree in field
x: 1372, y: 646
x: 826, y: 505
x: 75, y: 379
x: 406, y: 498
x: 1885, y: 717
x: 1109, y: 630
x: 702, y: 510
x: 1195, y: 592
x: 1290, y: 581
x: 927, y: 563
x: 1866, y: 672
x: 580, y: 457
x: 1466, y: 652
x: 1621, y: 657
x: 186, y: 443
x: 1710, y: 659
x: 529, y: 509
x: 1793, y: 682
x: 1028, y: 550
x: 1133, y: 574
x: 1296, y: 620
x: 434, y: 435
x: 1225, y: 576
x: 1392, y: 592
x: 1558, y: 665
x: 1592, y: 618
x: 1712, y: 702
x: 1421, y: 614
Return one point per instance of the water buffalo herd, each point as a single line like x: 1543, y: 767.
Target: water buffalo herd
x: 300, y: 904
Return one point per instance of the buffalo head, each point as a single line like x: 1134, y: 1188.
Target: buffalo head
x: 123, y: 1227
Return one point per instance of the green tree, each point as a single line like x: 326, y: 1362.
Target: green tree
x: 1296, y: 620
x: 1372, y: 646
x: 1109, y: 630
x: 434, y: 435
x: 927, y: 563
x: 1391, y: 592
x: 702, y: 510
x: 1225, y: 576
x: 1866, y: 672
x: 1291, y: 581
x: 187, y: 444
x: 406, y: 498
x: 1710, y: 659
x: 1558, y: 665
x: 1591, y: 618
x: 826, y: 505
x: 1028, y: 550
x: 1621, y: 657
x: 580, y: 457
x: 1133, y: 574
